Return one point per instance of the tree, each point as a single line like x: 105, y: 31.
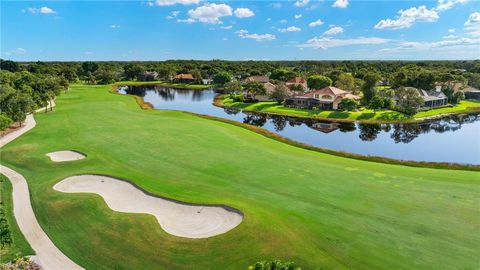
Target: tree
x: 197, y: 75
x: 105, y: 76
x: 280, y: 93
x: 318, y: 82
x: 345, y: 81
x: 376, y: 103
x: 348, y: 104
x: 408, y: 100
x: 457, y: 96
x: 88, y: 67
x: 369, y: 86
x: 233, y: 88
x: 254, y: 89
x: 17, y: 107
x: 282, y: 74
x: 453, y: 97
x: 9, y: 65
x: 132, y: 71
x: 222, y: 78
x: 274, y: 265
x: 5, y: 121
x: 298, y: 89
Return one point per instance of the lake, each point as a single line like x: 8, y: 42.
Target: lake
x: 451, y: 139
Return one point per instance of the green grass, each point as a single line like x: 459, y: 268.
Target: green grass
x: 20, y: 245
x: 315, y: 209
x: 167, y: 84
x: 365, y: 115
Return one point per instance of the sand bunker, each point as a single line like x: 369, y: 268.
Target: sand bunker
x: 61, y: 156
x: 176, y: 218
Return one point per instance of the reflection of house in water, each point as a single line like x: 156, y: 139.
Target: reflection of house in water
x: 325, y: 127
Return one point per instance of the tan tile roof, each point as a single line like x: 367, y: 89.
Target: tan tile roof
x: 184, y: 76
x: 299, y: 80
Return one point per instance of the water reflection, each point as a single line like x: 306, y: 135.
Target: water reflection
x: 427, y: 141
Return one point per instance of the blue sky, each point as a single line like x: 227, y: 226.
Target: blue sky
x: 239, y: 30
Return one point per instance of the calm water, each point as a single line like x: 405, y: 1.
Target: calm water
x: 452, y: 139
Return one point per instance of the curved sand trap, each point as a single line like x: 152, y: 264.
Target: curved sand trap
x: 67, y: 155
x: 176, y: 218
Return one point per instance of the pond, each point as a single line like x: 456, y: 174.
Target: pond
x: 451, y: 139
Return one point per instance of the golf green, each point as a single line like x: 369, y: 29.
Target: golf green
x: 321, y: 211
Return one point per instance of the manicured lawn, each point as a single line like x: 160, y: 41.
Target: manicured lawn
x: 319, y: 210
x: 20, y: 245
x: 365, y: 115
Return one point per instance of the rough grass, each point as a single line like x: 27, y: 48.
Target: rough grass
x: 365, y: 115
x: 20, y: 245
x: 313, y: 208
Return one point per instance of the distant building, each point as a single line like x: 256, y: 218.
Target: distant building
x: 455, y: 85
x: 471, y: 92
x: 184, y: 78
x: 327, y: 98
x: 297, y: 81
x: 149, y: 76
x: 260, y: 79
x: 270, y: 87
x: 207, y: 81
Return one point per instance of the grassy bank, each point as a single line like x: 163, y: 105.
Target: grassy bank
x: 19, y: 245
x: 313, y: 208
x: 167, y: 84
x: 366, y: 115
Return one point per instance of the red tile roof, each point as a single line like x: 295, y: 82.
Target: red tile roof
x: 327, y: 90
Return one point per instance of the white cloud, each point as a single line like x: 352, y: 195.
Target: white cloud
x: 243, y: 13
x: 451, y: 30
x: 257, y: 37
x: 17, y: 51
x: 340, y: 4
x: 290, y: 29
x: 473, y: 19
x: 415, y: 46
x: 283, y: 21
x: 315, y: 23
x: 298, y: 16
x: 301, y: 3
x: 268, y: 19
x: 408, y: 17
x: 42, y: 10
x: 210, y: 13
x: 443, y: 5
x: 450, y: 37
x: 225, y: 39
x: 327, y: 42
x: 174, y: 14
x: 333, y: 30
x: 189, y: 20
x: 88, y: 53
x: 172, y: 2
x: 227, y: 27
x: 114, y: 26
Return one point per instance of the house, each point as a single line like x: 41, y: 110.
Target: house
x: 260, y: 79
x: 207, y: 81
x: 433, y: 99
x: 327, y: 98
x: 297, y: 81
x: 149, y: 76
x: 270, y: 87
x: 455, y: 85
x: 184, y: 78
x: 471, y: 92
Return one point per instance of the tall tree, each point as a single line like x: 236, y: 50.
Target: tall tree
x: 318, y: 82
x: 345, y: 81
x: 369, y: 86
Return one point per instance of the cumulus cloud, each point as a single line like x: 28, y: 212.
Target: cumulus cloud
x: 415, y: 46
x: 301, y: 3
x: 172, y: 2
x: 209, y: 13
x: 450, y: 37
x: 327, y: 42
x: 227, y: 27
x: 408, y: 17
x: 257, y: 37
x: 473, y: 19
x: 333, y: 30
x: 443, y: 5
x: 472, y: 25
x: 243, y: 13
x: 42, y: 10
x: 451, y: 30
x: 17, y: 51
x: 315, y: 23
x: 298, y: 16
x: 340, y: 4
x: 290, y: 29
x: 188, y: 20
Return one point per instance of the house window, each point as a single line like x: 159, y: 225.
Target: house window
x: 316, y: 96
x: 326, y: 97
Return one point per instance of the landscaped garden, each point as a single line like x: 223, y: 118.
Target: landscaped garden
x: 318, y: 210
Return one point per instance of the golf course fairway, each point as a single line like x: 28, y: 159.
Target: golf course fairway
x: 319, y: 210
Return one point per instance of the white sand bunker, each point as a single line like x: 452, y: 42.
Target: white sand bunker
x: 176, y: 218
x: 61, y: 156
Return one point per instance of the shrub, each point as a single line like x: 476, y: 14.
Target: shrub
x: 5, y: 121
x: 274, y: 265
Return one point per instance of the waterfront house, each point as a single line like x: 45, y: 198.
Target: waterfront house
x: 327, y: 98
x: 149, y: 76
x: 471, y: 92
x: 184, y: 78
x: 259, y: 79
x: 433, y: 99
x: 269, y: 87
